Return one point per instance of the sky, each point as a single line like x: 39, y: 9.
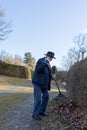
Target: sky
x: 40, y: 26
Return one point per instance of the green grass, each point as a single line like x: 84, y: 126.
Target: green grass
x: 5, y: 80
x: 13, y: 84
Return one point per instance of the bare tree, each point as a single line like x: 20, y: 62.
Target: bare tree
x: 81, y: 43
x: 81, y: 40
x: 74, y: 54
x: 70, y: 58
x: 18, y: 60
x: 2, y: 55
x: 8, y: 59
x: 5, y: 27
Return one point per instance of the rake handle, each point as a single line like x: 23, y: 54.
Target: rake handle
x: 57, y: 86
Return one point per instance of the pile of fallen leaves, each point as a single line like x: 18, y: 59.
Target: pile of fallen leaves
x: 75, y: 115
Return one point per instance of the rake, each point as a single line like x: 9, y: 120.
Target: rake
x: 58, y: 87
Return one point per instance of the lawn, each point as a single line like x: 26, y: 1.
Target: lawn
x: 14, y: 85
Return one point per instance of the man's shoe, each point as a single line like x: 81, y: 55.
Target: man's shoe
x: 43, y: 114
x: 36, y: 117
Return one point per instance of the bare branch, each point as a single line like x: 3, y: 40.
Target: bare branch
x: 5, y: 27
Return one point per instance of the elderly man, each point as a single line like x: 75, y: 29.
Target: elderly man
x: 41, y: 81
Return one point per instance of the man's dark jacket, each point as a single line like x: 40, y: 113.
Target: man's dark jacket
x: 42, y: 75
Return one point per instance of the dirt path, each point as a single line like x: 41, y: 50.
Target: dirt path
x: 21, y: 118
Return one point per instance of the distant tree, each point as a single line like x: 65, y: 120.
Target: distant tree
x: 2, y: 55
x: 81, y: 43
x: 8, y: 59
x: 70, y: 58
x: 73, y: 54
x: 5, y: 27
x: 18, y: 60
x: 81, y: 40
x: 29, y: 60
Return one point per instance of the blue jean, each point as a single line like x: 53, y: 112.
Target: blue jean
x: 41, y: 97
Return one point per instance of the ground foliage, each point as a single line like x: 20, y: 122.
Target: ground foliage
x: 65, y: 115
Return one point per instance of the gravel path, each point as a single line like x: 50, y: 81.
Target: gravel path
x: 21, y: 118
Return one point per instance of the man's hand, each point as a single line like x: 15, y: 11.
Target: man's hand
x: 54, y: 76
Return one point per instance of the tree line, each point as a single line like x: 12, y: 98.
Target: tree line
x: 28, y: 60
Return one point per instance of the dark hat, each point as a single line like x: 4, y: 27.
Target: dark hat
x: 50, y: 54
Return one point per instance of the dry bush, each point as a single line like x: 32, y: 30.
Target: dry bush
x: 77, y: 83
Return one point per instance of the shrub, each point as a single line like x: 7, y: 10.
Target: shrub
x: 13, y: 70
x: 77, y: 83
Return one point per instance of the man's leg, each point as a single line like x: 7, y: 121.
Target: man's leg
x: 44, y: 103
x: 37, y: 99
